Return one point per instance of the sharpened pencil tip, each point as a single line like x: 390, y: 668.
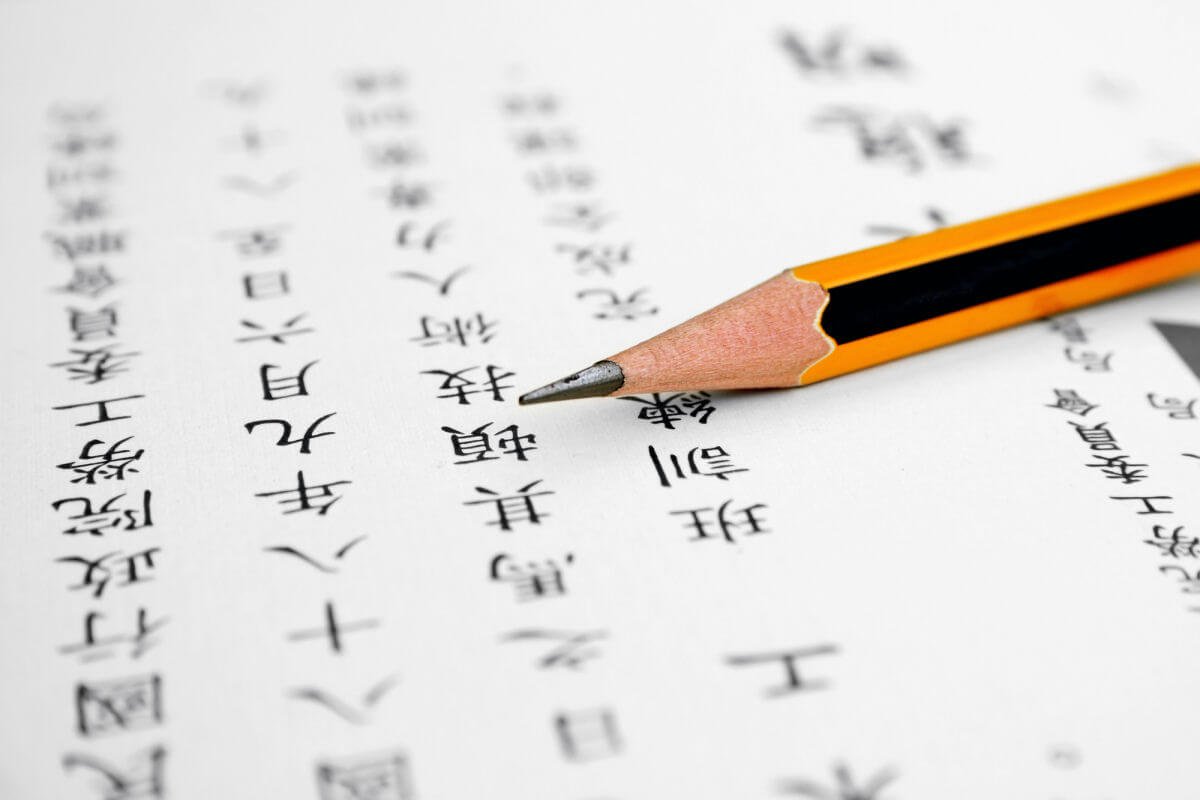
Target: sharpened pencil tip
x: 598, y: 380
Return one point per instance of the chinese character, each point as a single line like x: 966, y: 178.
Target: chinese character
x: 281, y: 388
x: 357, y: 715
x: 794, y: 682
x: 730, y: 522
x: 587, y: 735
x: 111, y: 464
x: 846, y: 787
x: 92, y: 243
x: 409, y: 235
x: 260, y: 241
x: 457, y: 331
x: 443, y: 284
x: 260, y: 188
x: 97, y: 364
x: 253, y: 139
x: 602, y: 258
x: 278, y: 337
x: 1191, y: 583
x: 907, y: 140
x: 1175, y: 407
x: 1147, y: 503
x: 375, y: 81
x: 458, y: 385
x: 285, y: 433
x: 76, y: 143
x: 665, y: 411
x: 339, y: 554
x: 392, y: 154
x: 94, y: 649
x: 477, y: 445
x: 359, y: 119
x: 116, y: 706
x: 75, y: 114
x: 699, y: 406
x: 1118, y: 468
x: 331, y: 630
x: 550, y: 178
x: 1098, y: 436
x: 1091, y: 360
x: 88, y: 325
x: 57, y: 176
x: 1069, y: 400
x: 585, y: 216
x: 633, y: 306
x: 837, y: 53
x: 541, y: 103
x: 531, y: 580
x: 405, y: 194
x: 1064, y: 756
x: 265, y: 285
x: 512, y: 508
x: 246, y: 94
x: 318, y: 497
x: 712, y: 461
x: 142, y: 782
x: 97, y: 572
x: 89, y: 281
x: 94, y: 522
x: 378, y: 777
x: 572, y: 649
x: 102, y: 414
x: 1070, y: 329
x: 540, y: 141
x: 1176, y: 545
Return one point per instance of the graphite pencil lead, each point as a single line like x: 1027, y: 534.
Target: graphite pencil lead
x: 600, y: 379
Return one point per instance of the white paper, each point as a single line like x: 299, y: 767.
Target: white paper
x: 935, y: 541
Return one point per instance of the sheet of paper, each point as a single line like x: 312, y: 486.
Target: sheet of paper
x: 274, y: 525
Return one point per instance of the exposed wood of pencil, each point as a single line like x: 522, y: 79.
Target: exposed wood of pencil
x: 763, y: 338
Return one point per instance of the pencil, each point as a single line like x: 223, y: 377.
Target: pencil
x: 867, y: 307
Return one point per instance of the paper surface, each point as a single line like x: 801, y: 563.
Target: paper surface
x: 311, y: 548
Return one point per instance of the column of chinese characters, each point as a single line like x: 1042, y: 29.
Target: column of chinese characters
x: 451, y: 348
x: 711, y: 517
x: 1178, y: 551
x: 274, y: 325
x: 727, y: 519
x: 106, y: 507
x: 382, y: 120
x: 378, y: 115
x: 496, y: 459
x: 287, y: 381
x: 582, y: 731
x: 566, y: 184
x: 582, y: 238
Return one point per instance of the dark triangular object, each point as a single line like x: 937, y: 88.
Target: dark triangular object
x: 1186, y: 341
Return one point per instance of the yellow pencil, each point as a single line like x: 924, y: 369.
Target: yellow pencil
x: 842, y: 314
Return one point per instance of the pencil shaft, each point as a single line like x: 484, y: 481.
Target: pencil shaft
x: 864, y: 308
